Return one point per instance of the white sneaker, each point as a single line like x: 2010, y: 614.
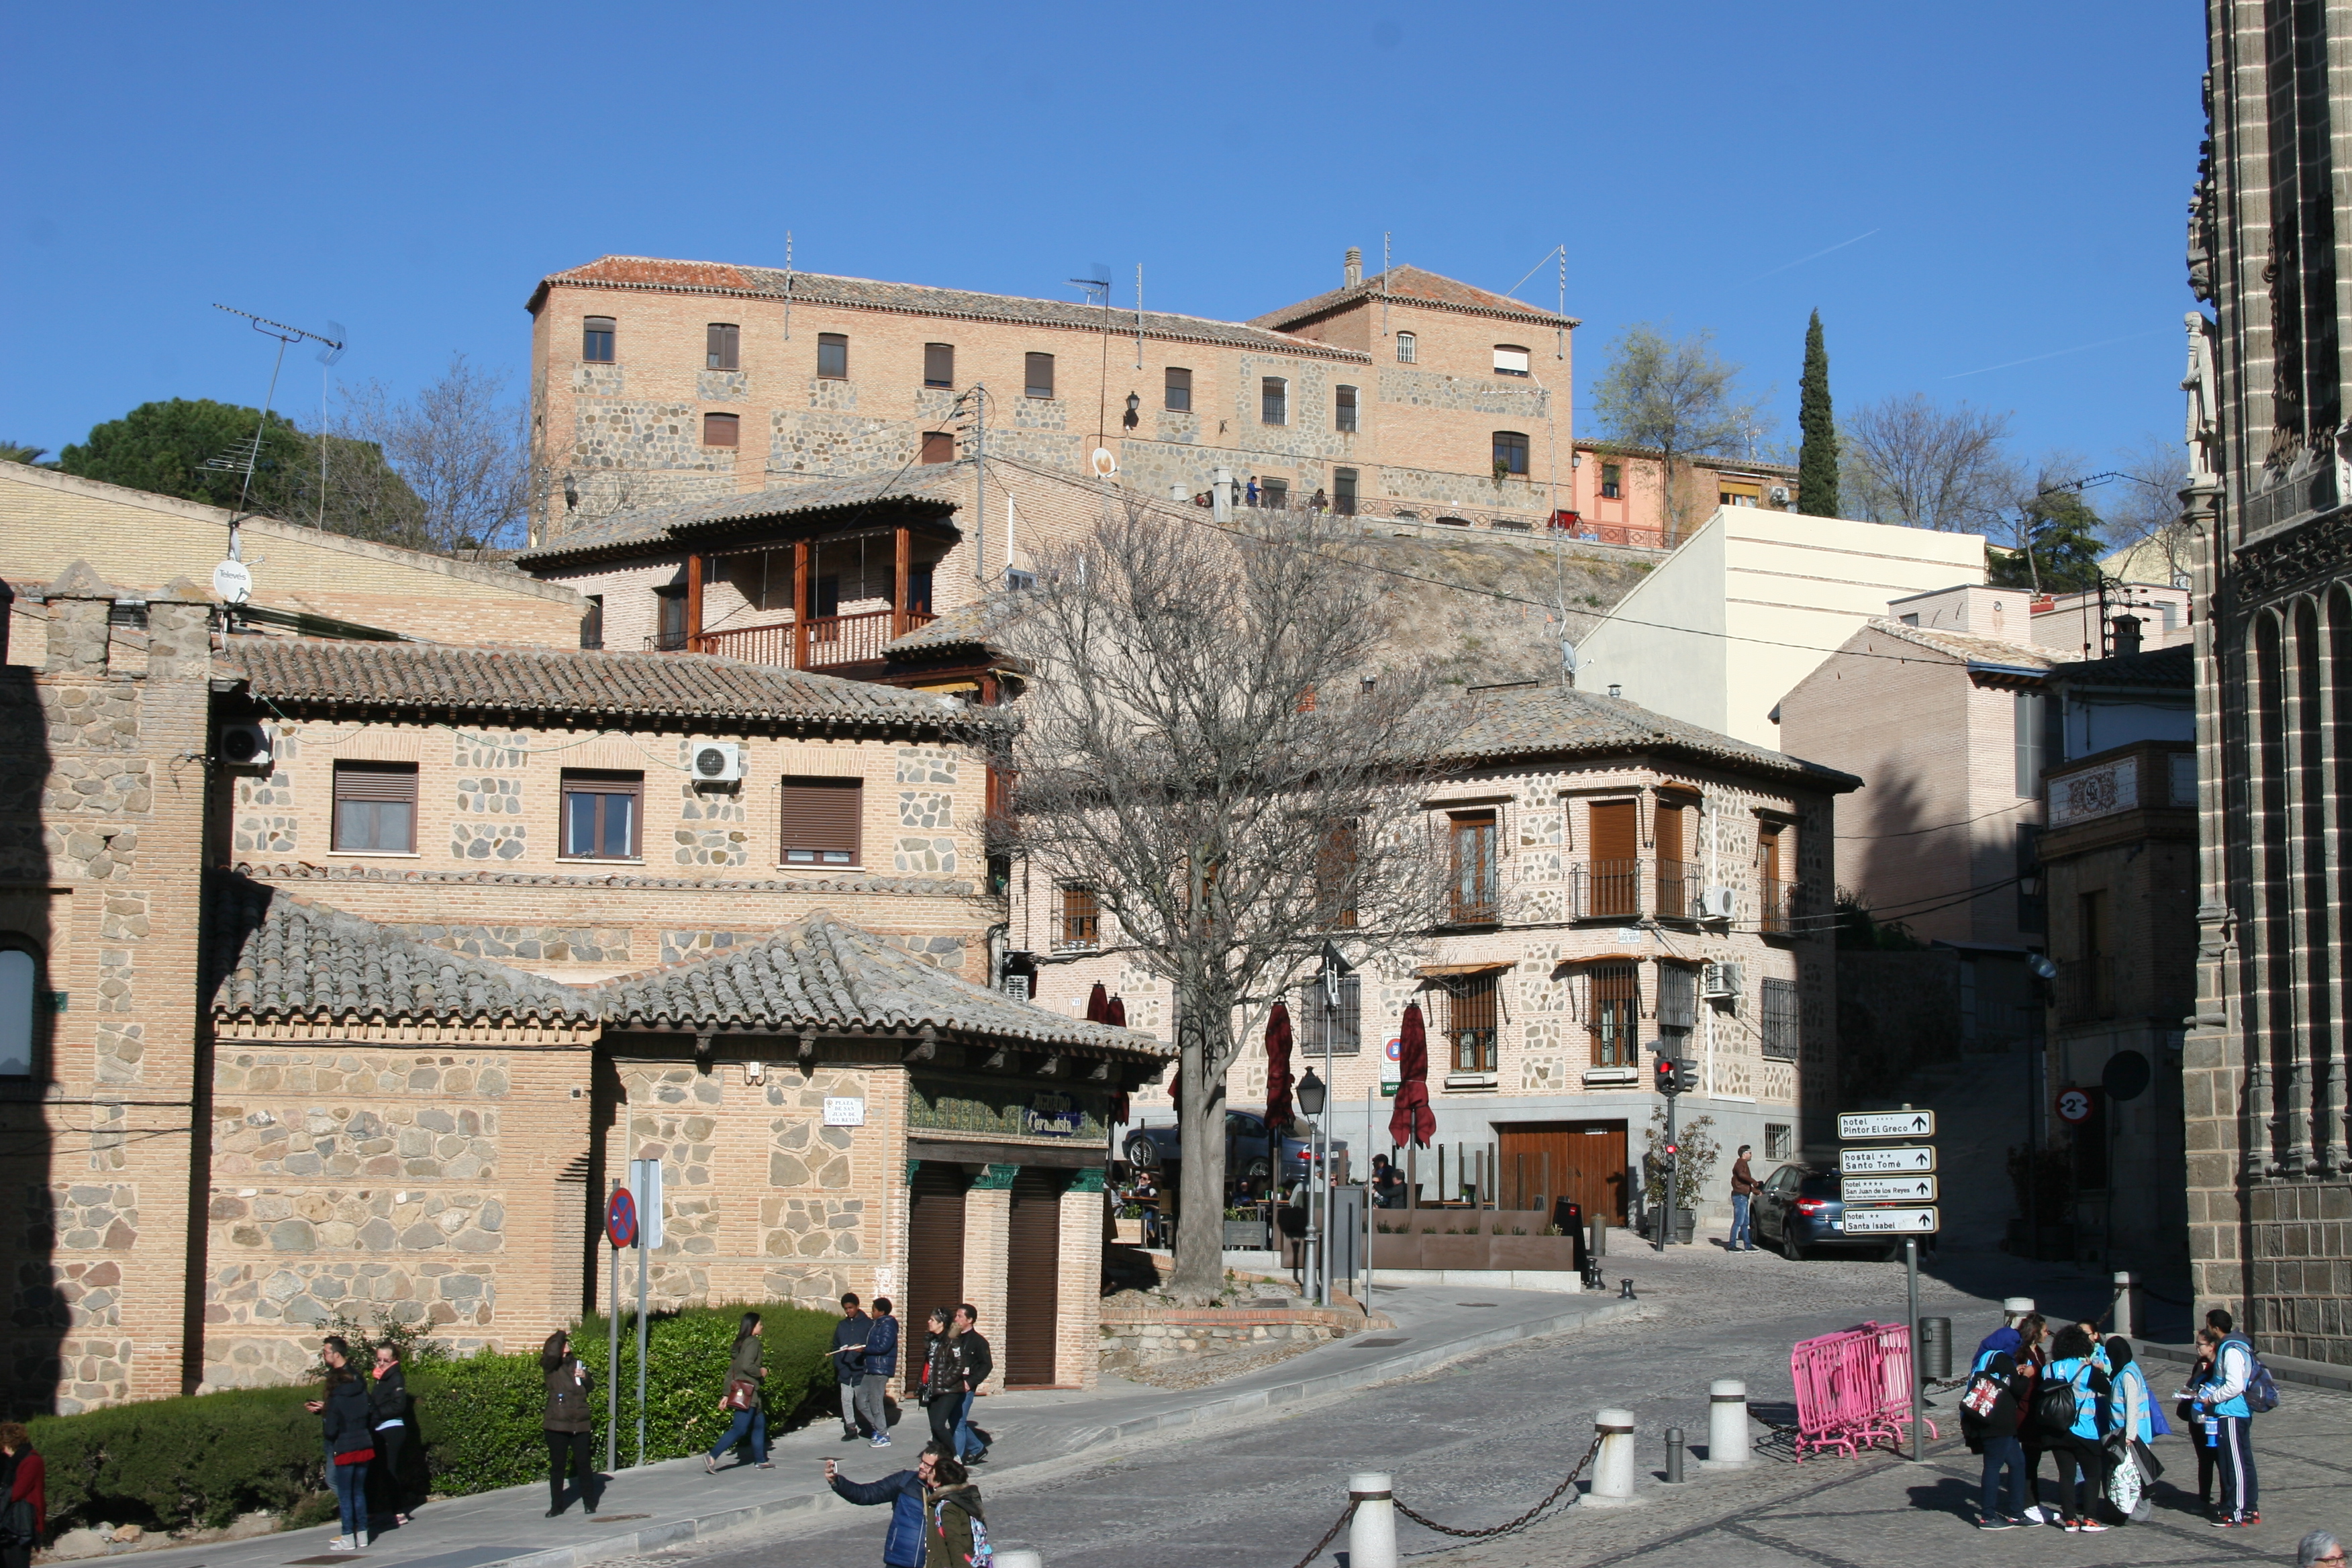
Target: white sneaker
x: 2032, y: 1514
x: 342, y: 1543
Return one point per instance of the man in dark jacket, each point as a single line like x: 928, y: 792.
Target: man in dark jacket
x: 849, y: 1360
x: 1994, y: 1436
x: 977, y: 1363
x: 881, y: 1361
x: 902, y: 1547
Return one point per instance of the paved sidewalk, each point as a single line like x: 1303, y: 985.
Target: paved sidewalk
x: 674, y: 1502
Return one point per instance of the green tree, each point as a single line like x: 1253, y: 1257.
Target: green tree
x: 163, y: 447
x: 1817, y: 459
x: 2059, y: 550
x: 1675, y: 396
x: 23, y: 452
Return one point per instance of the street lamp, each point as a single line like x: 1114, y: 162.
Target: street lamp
x: 1310, y: 1095
x: 1310, y: 1105
x: 1133, y: 404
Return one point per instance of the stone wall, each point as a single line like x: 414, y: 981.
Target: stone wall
x: 1142, y: 1336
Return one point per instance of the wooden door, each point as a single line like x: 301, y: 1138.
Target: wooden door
x: 934, y: 1258
x: 1032, y: 1278
x: 1586, y: 1165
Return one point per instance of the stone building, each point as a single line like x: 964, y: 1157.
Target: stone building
x: 1616, y: 878
x: 1409, y: 397
x: 389, y: 954
x: 2270, y: 1152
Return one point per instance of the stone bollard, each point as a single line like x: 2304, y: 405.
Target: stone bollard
x: 2126, y: 1319
x: 1371, y: 1534
x: 1613, y: 1467
x: 1019, y: 1560
x: 1726, y: 1423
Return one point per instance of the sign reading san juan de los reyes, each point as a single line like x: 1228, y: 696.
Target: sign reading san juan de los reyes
x: 1888, y: 1190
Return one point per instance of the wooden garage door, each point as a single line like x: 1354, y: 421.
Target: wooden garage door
x: 934, y: 1258
x: 1033, y: 1280
x: 1584, y: 1162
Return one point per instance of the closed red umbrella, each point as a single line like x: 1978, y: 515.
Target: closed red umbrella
x: 1277, y: 1068
x: 1115, y: 1013
x: 1097, y: 1005
x: 1413, y: 1121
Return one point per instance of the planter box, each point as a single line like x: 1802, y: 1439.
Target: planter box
x: 1130, y: 1231
x: 1531, y: 1251
x: 1414, y: 1250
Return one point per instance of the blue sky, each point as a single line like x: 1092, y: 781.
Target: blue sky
x: 1956, y: 187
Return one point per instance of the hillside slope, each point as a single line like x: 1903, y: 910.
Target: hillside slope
x: 1483, y: 611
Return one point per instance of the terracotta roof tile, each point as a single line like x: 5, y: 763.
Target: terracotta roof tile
x: 823, y: 974
x: 1543, y: 718
x: 656, y: 686
x: 944, y: 485
x: 1422, y: 287
x: 918, y: 299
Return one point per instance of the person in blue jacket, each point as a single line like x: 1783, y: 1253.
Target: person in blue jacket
x: 881, y: 1366
x: 902, y: 1546
x: 2223, y: 1397
x: 2082, y: 1445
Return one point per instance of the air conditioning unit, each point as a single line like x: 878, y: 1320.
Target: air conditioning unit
x: 1718, y: 903
x: 1779, y: 495
x: 1019, y: 580
x: 1719, y: 982
x: 717, y: 761
x: 244, y: 745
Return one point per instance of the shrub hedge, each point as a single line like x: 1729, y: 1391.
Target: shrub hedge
x: 167, y: 1464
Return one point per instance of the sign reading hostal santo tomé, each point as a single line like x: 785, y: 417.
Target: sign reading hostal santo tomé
x: 1885, y: 1161
x: 1887, y: 1124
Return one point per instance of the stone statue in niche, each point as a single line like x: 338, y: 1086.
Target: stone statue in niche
x: 2203, y: 430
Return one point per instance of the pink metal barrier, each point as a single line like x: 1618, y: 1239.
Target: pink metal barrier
x: 1853, y: 1387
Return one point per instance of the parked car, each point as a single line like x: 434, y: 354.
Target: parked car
x: 1802, y: 1210
x: 1250, y: 1151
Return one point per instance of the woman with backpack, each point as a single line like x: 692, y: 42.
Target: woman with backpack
x: 2070, y: 1406
x: 742, y: 1398
x: 1990, y: 1413
x: 954, y: 1533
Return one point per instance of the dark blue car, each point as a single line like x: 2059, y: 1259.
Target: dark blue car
x: 1800, y: 1212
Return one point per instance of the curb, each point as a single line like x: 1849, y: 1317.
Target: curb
x: 652, y: 1537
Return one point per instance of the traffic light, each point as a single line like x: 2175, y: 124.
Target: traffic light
x: 1686, y: 1076
x: 1667, y: 1076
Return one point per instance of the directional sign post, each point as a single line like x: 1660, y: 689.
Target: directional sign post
x: 1878, y: 1162
x: 1875, y: 1180
x: 1888, y: 1190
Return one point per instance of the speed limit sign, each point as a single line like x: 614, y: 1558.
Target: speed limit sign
x: 2074, y: 1105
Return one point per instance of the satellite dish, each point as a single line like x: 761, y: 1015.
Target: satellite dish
x: 1104, y: 465
x: 1567, y: 655
x: 233, y: 581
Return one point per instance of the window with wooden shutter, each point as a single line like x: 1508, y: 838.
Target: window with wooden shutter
x: 1039, y: 376
x: 1609, y: 886
x: 375, y: 807
x: 1677, y: 997
x: 1475, y: 885
x: 832, y: 356
x: 722, y: 346
x: 1473, y: 1013
x: 1180, y: 390
x: 939, y: 365
x: 1681, y: 879
x: 939, y: 446
x: 820, y: 821
x: 601, y: 813
x: 721, y: 429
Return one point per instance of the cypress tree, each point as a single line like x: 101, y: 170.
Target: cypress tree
x: 1817, y: 460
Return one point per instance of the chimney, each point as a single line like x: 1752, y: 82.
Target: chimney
x: 2126, y: 630
x: 1355, y: 265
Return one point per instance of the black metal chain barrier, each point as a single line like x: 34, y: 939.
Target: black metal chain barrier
x: 1557, y: 1492
x: 1329, y: 1536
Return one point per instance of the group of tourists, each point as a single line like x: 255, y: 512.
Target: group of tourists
x: 2087, y: 1402
x: 365, y: 1422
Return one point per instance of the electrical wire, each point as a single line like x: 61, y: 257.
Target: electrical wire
x: 1915, y: 832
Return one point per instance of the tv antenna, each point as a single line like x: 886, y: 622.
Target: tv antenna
x: 331, y: 349
x: 244, y: 456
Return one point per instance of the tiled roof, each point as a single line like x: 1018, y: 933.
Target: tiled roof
x: 2159, y: 667
x: 1543, y: 718
x: 821, y: 973
x: 942, y: 485
x: 843, y: 886
x: 269, y: 954
x: 568, y: 681
x: 916, y: 299
x: 1968, y: 647
x: 967, y: 628
x: 1421, y: 287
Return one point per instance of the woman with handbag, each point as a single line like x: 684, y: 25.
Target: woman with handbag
x: 350, y: 1431
x: 24, y: 1518
x: 2070, y: 1407
x: 742, y: 1398
x: 569, y: 1425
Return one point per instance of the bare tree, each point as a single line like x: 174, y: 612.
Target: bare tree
x: 1215, y: 742
x: 1911, y: 462
x: 459, y: 445
x: 1676, y: 397
x: 2143, y: 517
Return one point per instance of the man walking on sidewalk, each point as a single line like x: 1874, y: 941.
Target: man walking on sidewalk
x: 849, y: 1337
x: 1744, y: 1188
x: 2224, y: 1398
x: 976, y: 1364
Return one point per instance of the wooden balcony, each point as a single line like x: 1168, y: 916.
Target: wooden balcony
x: 821, y: 642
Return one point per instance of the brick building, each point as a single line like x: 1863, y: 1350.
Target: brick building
x: 364, y: 1013
x: 1616, y: 878
x: 1409, y: 397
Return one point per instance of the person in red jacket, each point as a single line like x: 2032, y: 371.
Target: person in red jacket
x: 25, y: 1519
